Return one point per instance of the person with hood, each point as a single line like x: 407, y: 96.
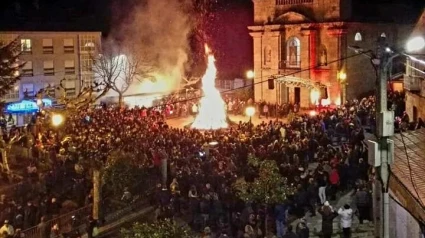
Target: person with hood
x: 302, y: 229
x: 346, y: 214
x: 328, y: 215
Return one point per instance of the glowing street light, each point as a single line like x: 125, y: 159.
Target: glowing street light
x: 250, y: 74
x: 57, y: 120
x: 250, y: 111
x: 342, y: 76
x: 415, y: 44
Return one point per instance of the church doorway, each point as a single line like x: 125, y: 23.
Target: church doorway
x: 297, y: 95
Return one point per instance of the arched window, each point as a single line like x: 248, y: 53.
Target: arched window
x: 358, y: 37
x: 267, y: 54
x: 293, y: 49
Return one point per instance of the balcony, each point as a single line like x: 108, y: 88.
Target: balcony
x: 289, y: 65
x: 412, y: 83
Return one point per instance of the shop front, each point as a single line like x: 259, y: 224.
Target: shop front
x: 20, y: 113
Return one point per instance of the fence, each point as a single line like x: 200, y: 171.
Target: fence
x: 66, y: 222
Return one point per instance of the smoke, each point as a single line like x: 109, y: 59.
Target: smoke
x: 157, y: 31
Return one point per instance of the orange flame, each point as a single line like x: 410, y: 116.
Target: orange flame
x: 207, y: 49
x: 212, y: 108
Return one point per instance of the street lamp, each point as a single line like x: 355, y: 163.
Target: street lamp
x: 250, y: 111
x: 415, y: 44
x: 250, y: 74
x: 57, y: 119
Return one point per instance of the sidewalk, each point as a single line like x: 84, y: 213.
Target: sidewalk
x: 358, y: 230
x: 127, y: 219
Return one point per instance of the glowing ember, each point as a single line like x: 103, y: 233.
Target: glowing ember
x: 212, y: 112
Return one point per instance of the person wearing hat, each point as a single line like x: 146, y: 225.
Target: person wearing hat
x: 6, y: 230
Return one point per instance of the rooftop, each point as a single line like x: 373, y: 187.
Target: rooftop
x: 409, y: 165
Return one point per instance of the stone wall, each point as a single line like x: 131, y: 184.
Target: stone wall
x: 415, y: 102
x: 402, y: 224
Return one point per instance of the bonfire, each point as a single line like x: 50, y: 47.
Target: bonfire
x: 212, y: 108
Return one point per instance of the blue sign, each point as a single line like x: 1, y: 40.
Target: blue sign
x: 47, y: 102
x: 22, y: 107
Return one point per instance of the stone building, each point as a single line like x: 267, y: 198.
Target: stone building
x: 301, y: 49
x: 414, y: 79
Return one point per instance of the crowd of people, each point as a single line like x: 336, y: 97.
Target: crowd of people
x: 321, y: 156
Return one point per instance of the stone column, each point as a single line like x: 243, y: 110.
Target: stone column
x: 339, y: 33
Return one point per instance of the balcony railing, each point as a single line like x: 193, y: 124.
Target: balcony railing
x: 412, y: 83
x: 292, y: 2
x: 289, y: 65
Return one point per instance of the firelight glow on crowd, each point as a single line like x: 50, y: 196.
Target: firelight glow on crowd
x: 321, y: 156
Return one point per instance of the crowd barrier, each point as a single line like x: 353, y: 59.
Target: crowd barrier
x: 66, y: 222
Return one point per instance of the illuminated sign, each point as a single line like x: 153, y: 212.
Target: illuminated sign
x: 47, y: 102
x: 23, y: 106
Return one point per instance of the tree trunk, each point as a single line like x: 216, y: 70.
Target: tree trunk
x: 96, y: 193
x: 120, y: 100
x: 5, y: 157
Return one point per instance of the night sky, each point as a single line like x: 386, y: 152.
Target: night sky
x: 227, y: 28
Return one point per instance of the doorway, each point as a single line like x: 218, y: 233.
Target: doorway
x: 297, y: 95
x: 415, y: 114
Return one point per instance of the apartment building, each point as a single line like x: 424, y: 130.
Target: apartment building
x: 52, y: 57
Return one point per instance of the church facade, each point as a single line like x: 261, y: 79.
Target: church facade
x: 301, y: 51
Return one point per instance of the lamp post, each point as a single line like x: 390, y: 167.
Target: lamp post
x: 381, y: 151
x: 250, y: 111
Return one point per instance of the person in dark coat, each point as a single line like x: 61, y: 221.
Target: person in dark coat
x: 290, y: 233
x: 328, y: 215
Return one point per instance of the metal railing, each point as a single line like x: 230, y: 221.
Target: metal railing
x: 66, y: 222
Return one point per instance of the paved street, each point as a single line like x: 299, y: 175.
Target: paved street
x: 183, y: 121
x: 359, y: 230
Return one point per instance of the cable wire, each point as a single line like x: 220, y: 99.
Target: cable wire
x: 263, y: 81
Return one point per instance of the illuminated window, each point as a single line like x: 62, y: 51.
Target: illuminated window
x: 12, y: 94
x: 87, y: 43
x: 88, y: 80
x: 293, y: 52
x: 358, y: 37
x: 86, y: 63
x: 68, y: 46
x: 49, y: 68
x: 28, y: 89
x: 27, y: 70
x: 26, y: 46
x: 47, y: 46
x: 69, y: 67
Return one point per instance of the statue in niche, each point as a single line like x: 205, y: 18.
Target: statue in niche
x: 323, y: 57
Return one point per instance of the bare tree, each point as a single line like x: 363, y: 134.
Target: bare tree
x: 126, y: 74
